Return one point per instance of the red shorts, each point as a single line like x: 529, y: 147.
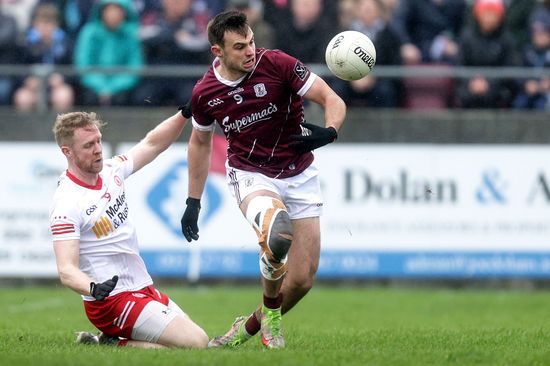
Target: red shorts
x: 117, y: 314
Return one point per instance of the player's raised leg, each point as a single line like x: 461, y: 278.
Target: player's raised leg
x: 303, y: 262
x: 268, y: 216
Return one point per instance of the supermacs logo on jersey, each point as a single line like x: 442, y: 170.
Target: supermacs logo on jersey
x: 247, y: 121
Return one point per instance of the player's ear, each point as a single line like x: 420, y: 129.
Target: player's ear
x: 66, y: 150
x: 216, y: 50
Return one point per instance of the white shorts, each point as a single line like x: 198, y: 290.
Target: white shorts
x: 301, y: 194
x: 153, y: 320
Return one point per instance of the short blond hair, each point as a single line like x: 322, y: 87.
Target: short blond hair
x: 66, y: 123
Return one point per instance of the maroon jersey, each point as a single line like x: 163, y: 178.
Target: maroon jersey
x: 257, y: 113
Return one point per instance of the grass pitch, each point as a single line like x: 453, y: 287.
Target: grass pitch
x: 331, y: 326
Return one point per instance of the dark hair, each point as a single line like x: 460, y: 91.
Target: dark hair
x: 228, y: 21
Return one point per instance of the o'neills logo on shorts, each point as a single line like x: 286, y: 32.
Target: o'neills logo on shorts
x: 242, y: 123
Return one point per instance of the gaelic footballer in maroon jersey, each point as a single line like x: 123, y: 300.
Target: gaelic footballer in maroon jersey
x: 258, y: 113
x: 256, y: 96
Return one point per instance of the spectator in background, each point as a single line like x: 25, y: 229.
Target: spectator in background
x: 346, y: 13
x: 109, y: 39
x: 9, y: 53
x: 306, y: 34
x: 45, y: 41
x: 428, y: 29
x: 175, y: 35
x: 372, y: 91
x: 253, y: 9
x: 46, y: 44
x: 278, y: 12
x: 535, y: 92
x: 73, y: 15
x: 486, y: 42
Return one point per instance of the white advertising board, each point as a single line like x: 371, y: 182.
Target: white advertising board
x: 157, y: 194
x: 436, y: 197
x: 391, y: 210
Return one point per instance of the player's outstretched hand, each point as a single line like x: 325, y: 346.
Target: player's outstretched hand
x: 186, y: 109
x: 319, y: 136
x: 101, y: 290
x: 190, y: 218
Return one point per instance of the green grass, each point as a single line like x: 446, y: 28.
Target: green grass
x: 331, y: 326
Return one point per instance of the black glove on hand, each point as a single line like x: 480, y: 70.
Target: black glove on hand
x: 189, y: 220
x: 320, y: 136
x: 186, y: 109
x: 101, y: 290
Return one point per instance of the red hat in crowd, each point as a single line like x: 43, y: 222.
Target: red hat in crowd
x: 496, y: 6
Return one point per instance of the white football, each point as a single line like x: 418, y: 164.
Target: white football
x: 350, y: 55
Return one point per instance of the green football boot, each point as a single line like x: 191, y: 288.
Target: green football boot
x: 236, y: 336
x: 272, y: 328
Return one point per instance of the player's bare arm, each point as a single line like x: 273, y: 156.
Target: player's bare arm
x: 335, y: 108
x: 198, y: 156
x: 335, y: 113
x: 199, y: 151
x: 67, y: 254
x: 157, y: 140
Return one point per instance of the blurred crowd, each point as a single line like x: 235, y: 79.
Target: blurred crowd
x: 137, y: 33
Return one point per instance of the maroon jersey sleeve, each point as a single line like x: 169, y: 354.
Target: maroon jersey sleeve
x: 201, y: 121
x: 297, y: 74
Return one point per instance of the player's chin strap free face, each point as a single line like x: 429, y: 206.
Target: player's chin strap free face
x: 269, y: 218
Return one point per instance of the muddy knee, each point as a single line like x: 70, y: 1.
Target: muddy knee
x: 271, y: 221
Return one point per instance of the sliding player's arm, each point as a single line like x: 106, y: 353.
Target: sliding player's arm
x: 157, y: 140
x: 67, y: 254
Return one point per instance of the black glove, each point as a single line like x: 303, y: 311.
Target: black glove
x: 319, y: 136
x: 101, y: 290
x: 189, y: 220
x: 186, y: 109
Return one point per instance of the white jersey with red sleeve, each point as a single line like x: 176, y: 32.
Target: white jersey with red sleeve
x: 258, y: 113
x: 99, y: 217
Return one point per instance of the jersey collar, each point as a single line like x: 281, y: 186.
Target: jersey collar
x: 96, y: 187
x: 221, y: 79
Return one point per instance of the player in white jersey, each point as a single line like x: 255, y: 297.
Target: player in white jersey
x: 256, y: 97
x: 95, y: 242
